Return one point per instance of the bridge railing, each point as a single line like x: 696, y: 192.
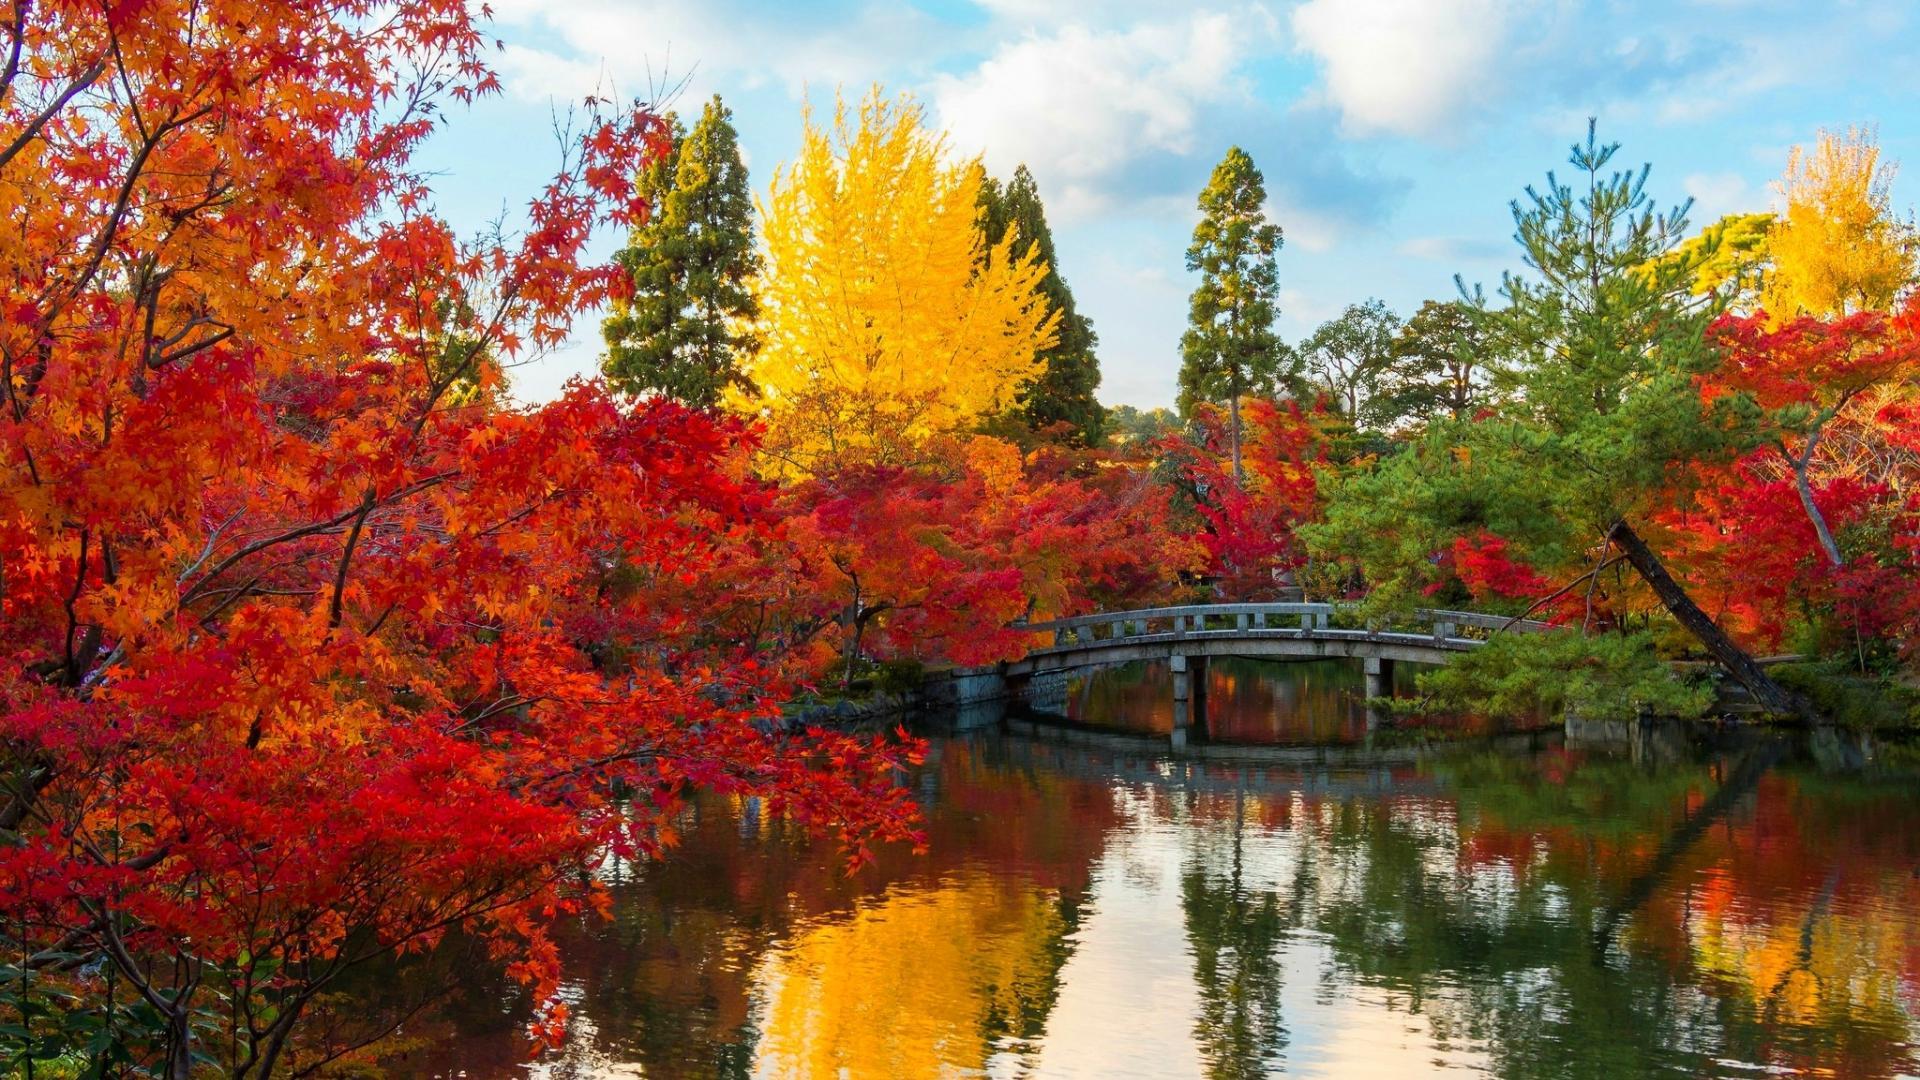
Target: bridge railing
x: 1316, y: 619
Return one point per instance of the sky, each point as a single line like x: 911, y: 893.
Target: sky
x: 1392, y: 133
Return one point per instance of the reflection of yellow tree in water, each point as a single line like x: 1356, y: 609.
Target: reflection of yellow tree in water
x: 1820, y: 967
x: 919, y: 983
x: 1816, y: 945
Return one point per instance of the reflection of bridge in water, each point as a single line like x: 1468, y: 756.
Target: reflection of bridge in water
x: 1316, y: 772
x: 1187, y: 637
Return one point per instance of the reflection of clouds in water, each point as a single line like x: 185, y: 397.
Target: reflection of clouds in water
x: 1128, y: 998
x: 1130, y: 994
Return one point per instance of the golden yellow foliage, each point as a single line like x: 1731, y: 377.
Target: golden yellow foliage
x: 1838, y: 248
x: 884, y: 321
x: 1727, y: 257
x: 974, y: 956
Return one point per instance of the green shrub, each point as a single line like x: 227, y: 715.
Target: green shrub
x: 1603, y: 677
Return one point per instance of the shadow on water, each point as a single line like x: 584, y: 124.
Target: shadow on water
x: 1639, y: 901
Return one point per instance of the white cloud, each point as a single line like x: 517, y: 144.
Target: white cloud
x: 1302, y: 308
x: 1062, y: 12
x: 1717, y: 194
x: 649, y: 45
x: 1079, y: 106
x: 1304, y: 229
x: 538, y: 75
x: 1404, y: 66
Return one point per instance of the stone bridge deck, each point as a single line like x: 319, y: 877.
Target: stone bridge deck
x: 1188, y: 636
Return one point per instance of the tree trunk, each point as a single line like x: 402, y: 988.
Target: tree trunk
x: 1771, y: 695
x: 1819, y: 520
x: 1233, y: 409
x: 853, y: 648
x: 179, y: 1045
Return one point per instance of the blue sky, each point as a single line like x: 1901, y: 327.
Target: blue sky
x: 1392, y: 132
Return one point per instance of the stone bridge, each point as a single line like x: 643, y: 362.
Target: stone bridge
x: 1187, y: 637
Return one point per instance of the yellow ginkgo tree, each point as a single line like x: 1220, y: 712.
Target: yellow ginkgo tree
x: 1837, y: 247
x: 885, y: 321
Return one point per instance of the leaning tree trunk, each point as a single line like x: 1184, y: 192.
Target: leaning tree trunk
x: 1771, y: 695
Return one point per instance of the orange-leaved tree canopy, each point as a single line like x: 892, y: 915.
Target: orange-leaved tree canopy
x: 315, y: 649
x: 883, y: 323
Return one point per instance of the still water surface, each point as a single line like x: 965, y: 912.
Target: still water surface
x: 1092, y: 907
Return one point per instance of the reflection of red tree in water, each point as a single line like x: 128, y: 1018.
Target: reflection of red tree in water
x: 1250, y: 702
x: 671, y: 981
x: 1318, y: 702
x: 1046, y: 824
x: 1253, y: 702
x: 1799, y: 908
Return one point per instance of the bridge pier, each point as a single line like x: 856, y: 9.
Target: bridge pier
x: 1379, y: 684
x: 1189, y: 695
x: 1197, y: 670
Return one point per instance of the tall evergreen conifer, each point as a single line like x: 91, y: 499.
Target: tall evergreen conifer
x: 684, y: 334
x: 1230, y: 348
x: 1064, y: 390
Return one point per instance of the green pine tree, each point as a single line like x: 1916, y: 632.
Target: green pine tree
x: 1064, y: 390
x: 685, y: 332
x: 1230, y: 348
x: 1594, y: 358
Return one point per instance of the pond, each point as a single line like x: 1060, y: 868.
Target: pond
x: 1095, y: 906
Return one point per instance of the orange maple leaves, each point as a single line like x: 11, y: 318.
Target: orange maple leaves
x: 316, y: 647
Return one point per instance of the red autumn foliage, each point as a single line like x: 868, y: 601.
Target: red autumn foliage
x: 1874, y: 595
x: 1815, y: 363
x: 1837, y: 425
x: 935, y: 563
x: 1483, y: 566
x: 1247, y: 524
x: 1747, y: 549
x: 316, y: 649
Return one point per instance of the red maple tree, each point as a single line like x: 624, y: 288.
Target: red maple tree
x: 316, y: 649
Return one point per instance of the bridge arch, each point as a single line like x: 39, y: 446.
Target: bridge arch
x: 1189, y: 636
